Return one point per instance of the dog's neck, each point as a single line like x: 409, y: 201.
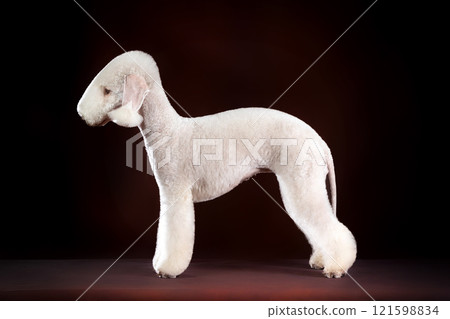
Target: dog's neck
x: 159, y: 116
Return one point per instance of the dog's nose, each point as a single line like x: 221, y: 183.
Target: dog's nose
x: 79, y: 111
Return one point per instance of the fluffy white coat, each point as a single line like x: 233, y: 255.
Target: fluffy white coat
x: 128, y: 91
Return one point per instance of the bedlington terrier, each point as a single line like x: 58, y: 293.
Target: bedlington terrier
x: 211, y: 155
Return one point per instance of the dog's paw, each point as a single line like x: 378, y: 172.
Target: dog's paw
x: 334, y: 270
x: 334, y: 273
x: 166, y: 276
x: 316, y: 261
x: 316, y: 266
x: 335, y: 267
x: 166, y: 270
x: 170, y: 266
x: 339, y: 253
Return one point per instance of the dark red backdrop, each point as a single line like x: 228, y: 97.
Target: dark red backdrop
x: 367, y: 97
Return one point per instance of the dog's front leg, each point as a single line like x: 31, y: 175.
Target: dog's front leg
x: 175, y: 239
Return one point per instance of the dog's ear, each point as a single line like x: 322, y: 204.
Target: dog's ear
x: 134, y: 91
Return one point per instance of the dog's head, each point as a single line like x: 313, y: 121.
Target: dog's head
x: 118, y: 91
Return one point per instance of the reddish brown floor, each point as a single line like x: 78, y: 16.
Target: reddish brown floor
x: 133, y: 279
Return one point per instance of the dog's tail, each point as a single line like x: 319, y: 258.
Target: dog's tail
x: 332, y: 181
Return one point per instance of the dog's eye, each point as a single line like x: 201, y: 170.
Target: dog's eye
x: 106, y: 91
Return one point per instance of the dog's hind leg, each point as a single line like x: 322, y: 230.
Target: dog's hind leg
x: 306, y: 201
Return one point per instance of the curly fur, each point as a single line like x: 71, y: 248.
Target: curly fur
x: 249, y: 131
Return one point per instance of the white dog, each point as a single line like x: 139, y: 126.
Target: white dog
x: 211, y: 155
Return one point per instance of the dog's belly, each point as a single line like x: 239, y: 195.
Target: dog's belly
x: 209, y: 188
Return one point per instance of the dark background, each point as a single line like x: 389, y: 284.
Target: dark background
x: 70, y: 195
